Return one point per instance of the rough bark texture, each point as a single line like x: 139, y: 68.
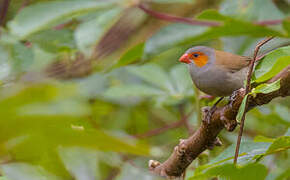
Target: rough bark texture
x: 206, y: 136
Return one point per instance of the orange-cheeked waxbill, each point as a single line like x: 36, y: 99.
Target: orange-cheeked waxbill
x: 214, y: 72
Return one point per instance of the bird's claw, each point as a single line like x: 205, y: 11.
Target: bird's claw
x: 207, y: 114
x: 230, y: 125
x: 216, y: 142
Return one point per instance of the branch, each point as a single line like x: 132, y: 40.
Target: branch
x: 178, y: 19
x: 205, y: 136
x: 248, y: 90
x: 3, y: 10
x: 171, y: 18
x: 182, y: 121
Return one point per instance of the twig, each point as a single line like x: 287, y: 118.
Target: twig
x: 223, y: 117
x: 157, y: 131
x: 167, y: 127
x: 270, y: 22
x: 3, y: 10
x: 184, y: 119
x: 172, y: 18
x: 248, y: 89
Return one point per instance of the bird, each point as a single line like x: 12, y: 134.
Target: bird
x: 216, y: 73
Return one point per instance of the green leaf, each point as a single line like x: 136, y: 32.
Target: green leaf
x: 89, y: 33
x: 22, y: 57
x: 54, y: 41
x: 129, y: 172
x: 154, y: 75
x: 169, y: 37
x: 263, y: 139
x: 131, y: 55
x: 251, y: 10
x: 23, y: 171
x: 286, y: 25
x: 38, y: 17
x: 5, y: 68
x: 183, y: 34
x: 128, y: 90
x: 231, y: 171
x: 173, y: 1
x: 248, y: 150
x: 80, y: 162
x: 280, y: 144
x: 211, y: 14
x: 242, y: 109
x: 272, y: 64
x: 181, y: 80
x: 267, y: 88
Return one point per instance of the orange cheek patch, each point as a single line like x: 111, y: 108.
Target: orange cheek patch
x: 201, y: 60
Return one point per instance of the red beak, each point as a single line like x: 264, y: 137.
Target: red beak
x: 185, y: 58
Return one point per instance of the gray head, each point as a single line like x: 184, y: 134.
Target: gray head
x: 198, y: 56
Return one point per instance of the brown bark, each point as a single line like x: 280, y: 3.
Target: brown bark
x: 206, y: 136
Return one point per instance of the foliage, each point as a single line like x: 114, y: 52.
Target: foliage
x: 84, y: 83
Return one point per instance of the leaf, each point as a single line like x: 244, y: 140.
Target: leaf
x: 242, y: 109
x: 286, y: 25
x: 183, y: 34
x: 154, y: 75
x: 248, y: 150
x: 131, y: 55
x: 181, y: 80
x: 251, y: 10
x: 81, y: 163
x: 23, y: 171
x: 89, y: 33
x: 231, y: 171
x: 38, y: 17
x: 4, y: 63
x: 22, y: 57
x: 125, y: 91
x: 173, y: 1
x: 267, y: 88
x: 280, y: 144
x: 169, y: 37
x: 272, y: 64
x: 263, y: 139
x: 129, y: 172
x: 54, y: 41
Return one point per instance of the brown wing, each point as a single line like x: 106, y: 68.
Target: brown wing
x: 231, y: 61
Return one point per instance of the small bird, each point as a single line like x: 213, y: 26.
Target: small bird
x: 214, y: 72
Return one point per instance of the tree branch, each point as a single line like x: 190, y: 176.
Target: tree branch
x: 3, y: 10
x: 205, y: 136
x: 171, y: 18
x: 177, y: 19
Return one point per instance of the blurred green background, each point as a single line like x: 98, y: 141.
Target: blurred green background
x: 92, y: 89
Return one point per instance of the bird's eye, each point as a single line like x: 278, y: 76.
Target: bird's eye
x: 195, y: 55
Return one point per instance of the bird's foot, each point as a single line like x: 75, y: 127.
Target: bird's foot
x: 230, y: 125
x: 207, y: 114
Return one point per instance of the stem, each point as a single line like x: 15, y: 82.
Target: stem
x: 248, y: 89
x: 172, y: 18
x: 3, y: 10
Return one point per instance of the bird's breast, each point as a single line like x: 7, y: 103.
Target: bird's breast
x: 216, y: 81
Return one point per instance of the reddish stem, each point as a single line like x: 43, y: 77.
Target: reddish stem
x: 248, y: 89
x: 172, y: 18
x: 3, y: 11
